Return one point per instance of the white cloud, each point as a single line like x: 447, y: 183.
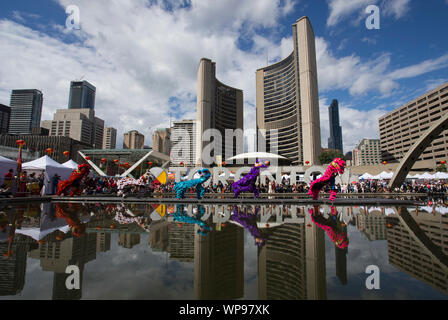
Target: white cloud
x: 341, y: 10
x: 138, y: 56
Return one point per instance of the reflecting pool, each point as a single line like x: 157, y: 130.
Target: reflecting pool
x: 166, y: 251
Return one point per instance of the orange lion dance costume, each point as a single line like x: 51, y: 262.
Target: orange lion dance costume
x: 336, y: 167
x: 74, y: 181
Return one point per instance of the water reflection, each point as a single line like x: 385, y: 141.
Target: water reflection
x: 289, y: 244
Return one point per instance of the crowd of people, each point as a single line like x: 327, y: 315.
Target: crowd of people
x: 33, y: 183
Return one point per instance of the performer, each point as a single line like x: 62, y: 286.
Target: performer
x: 74, y: 181
x: 249, y: 221
x: 9, y: 177
x: 181, y: 216
x: 70, y: 213
x: 248, y: 182
x: 336, y: 167
x: 182, y: 186
x: 335, y: 229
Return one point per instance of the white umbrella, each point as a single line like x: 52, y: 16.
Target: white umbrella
x: 441, y: 175
x: 366, y: 176
x: 426, y: 175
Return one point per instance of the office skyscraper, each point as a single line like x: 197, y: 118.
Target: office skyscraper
x: 78, y: 124
x: 161, y: 140
x: 287, y: 101
x: 133, y: 140
x: 5, y: 115
x: 185, y: 138
x: 335, y: 139
x: 82, y: 95
x: 110, y: 138
x: 219, y: 107
x: 26, y: 111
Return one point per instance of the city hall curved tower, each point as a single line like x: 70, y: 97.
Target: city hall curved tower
x: 287, y: 101
x: 219, y: 107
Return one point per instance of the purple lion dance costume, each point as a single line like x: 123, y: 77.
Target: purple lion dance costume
x: 248, y: 182
x: 248, y: 220
x: 336, y: 167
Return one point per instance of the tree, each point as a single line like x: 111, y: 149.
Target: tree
x: 328, y: 156
x: 442, y: 168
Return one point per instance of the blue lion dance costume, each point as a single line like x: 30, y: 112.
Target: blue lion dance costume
x: 181, y: 216
x: 182, y: 186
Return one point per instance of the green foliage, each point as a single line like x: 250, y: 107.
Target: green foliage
x: 442, y: 168
x: 328, y: 156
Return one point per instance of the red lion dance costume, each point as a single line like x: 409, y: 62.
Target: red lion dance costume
x: 74, y: 181
x: 336, y: 167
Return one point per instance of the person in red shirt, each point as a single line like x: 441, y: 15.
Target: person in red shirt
x: 9, y: 177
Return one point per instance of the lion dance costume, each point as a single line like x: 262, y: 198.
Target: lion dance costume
x: 74, y: 181
x: 248, y: 182
x: 335, y: 229
x: 336, y: 167
x: 182, y: 186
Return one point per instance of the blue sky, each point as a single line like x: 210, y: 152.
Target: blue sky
x: 143, y: 55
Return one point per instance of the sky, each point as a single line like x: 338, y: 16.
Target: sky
x: 143, y: 55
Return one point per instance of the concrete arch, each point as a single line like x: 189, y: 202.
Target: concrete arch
x: 417, y: 149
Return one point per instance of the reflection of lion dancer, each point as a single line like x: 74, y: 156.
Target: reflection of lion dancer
x: 249, y: 221
x: 181, y: 216
x: 71, y: 217
x: 182, y: 186
x: 335, y: 229
x: 74, y: 181
x: 328, y: 178
x: 248, y: 182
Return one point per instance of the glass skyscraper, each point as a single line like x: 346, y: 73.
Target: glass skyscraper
x: 82, y: 95
x: 26, y: 111
x: 335, y: 139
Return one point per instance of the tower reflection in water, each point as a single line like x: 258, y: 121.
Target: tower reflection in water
x: 290, y: 243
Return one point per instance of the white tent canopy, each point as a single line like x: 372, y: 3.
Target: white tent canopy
x: 70, y: 164
x: 5, y: 165
x: 366, y: 176
x: 259, y: 155
x: 50, y: 168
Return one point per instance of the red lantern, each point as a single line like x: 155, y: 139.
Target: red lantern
x: 223, y: 163
x: 87, y: 158
x: 66, y: 153
x: 384, y: 162
x: 149, y: 163
x: 20, y: 143
x: 103, y: 160
x: 307, y: 162
x: 116, y: 161
x: 181, y: 163
x: 442, y: 162
x: 49, y: 150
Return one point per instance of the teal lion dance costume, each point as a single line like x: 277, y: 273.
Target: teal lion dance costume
x: 182, y: 186
x: 182, y: 216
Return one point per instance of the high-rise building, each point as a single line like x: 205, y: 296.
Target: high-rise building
x: 78, y: 124
x: 109, y: 138
x: 219, y: 264
x: 367, y: 152
x: 26, y: 111
x: 185, y: 136
x: 335, y: 139
x: 133, y: 140
x: 128, y: 240
x: 5, y: 115
x: 402, y: 127
x: 287, y: 101
x: 82, y: 95
x: 219, y: 107
x: 161, y: 140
